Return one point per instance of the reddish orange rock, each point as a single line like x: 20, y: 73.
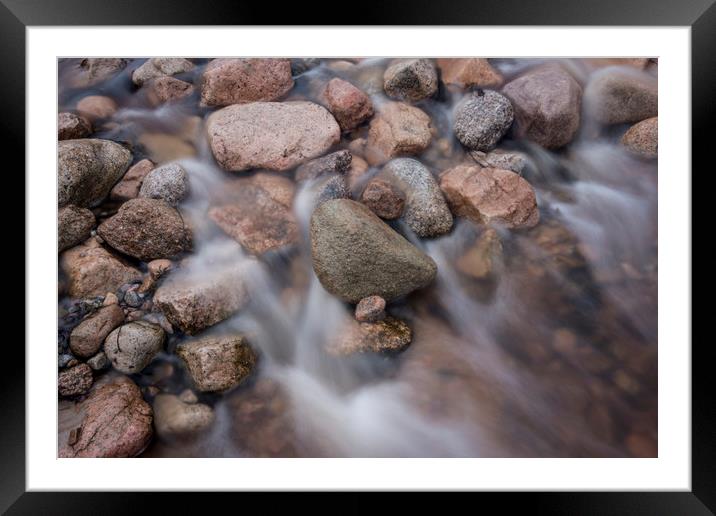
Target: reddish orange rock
x: 398, y: 129
x: 117, y: 422
x: 487, y: 195
x: 237, y: 81
x: 128, y: 187
x: 350, y: 105
x: 469, y: 72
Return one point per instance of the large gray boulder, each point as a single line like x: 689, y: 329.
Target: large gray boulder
x: 355, y: 254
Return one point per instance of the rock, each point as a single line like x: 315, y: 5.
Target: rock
x: 117, y: 422
x: 133, y: 298
x: 92, y: 271
x: 129, y: 186
x: 331, y: 186
x: 411, y: 79
x: 370, y: 309
x: 131, y: 347
x: 262, y: 420
x: 75, y: 380
x: 96, y: 70
x: 348, y: 104
x: 159, y: 319
x: 383, y: 199
x: 547, y: 105
x: 188, y: 396
x: 303, y: 64
x: 217, y: 363
x: 87, y: 169
x: 357, y: 174
x: 74, y: 226
x: 468, y: 72
x: 99, y: 361
x: 160, y: 67
x: 110, y: 299
x: 87, y: 337
x: 481, y: 119
x: 167, y: 89
x: 426, y: 211
x: 147, y: 229
x: 157, y: 268
x: 618, y: 95
x: 168, y: 182
x: 96, y: 107
x: 272, y: 135
x: 257, y: 213
x: 643, y: 138
x: 64, y: 360
x: 506, y: 160
x: 71, y: 126
x: 337, y: 162
x: 194, y: 302
x: 355, y: 254
x: 174, y: 418
x: 397, y: 129
x: 387, y: 336
x: 238, y: 81
x: 480, y: 259
x: 490, y: 195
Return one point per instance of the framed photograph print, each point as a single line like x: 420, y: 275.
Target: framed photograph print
x: 423, y: 248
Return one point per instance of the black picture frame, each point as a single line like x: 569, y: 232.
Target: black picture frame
x: 700, y: 15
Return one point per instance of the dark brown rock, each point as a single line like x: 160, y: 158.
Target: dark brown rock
x: 147, y: 229
x: 75, y: 381
x: 217, y: 363
x: 383, y: 199
x: 337, y: 162
x: 411, y: 79
x: 74, y: 226
x: 71, y: 126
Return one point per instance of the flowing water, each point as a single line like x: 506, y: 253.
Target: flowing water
x: 554, y: 354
